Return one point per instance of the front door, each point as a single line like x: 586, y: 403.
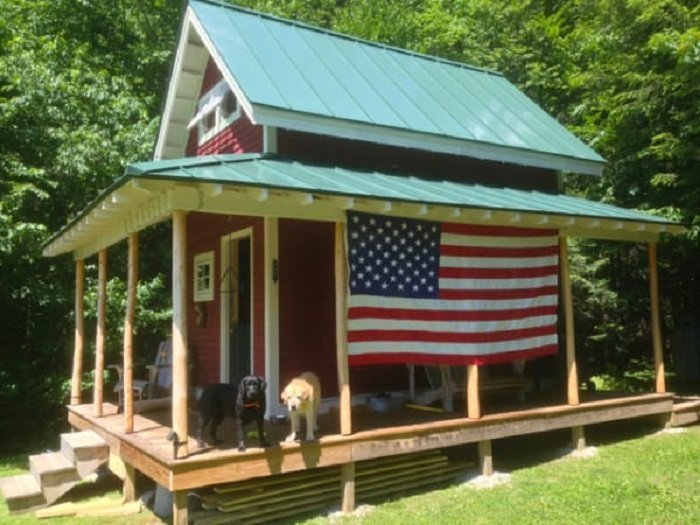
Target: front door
x: 237, y: 286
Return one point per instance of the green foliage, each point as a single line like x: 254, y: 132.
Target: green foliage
x: 81, y: 87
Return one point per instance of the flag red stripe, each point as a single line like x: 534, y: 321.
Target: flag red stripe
x: 495, y: 231
x: 425, y: 336
x: 497, y: 273
x: 497, y: 294
x: 491, y: 251
x: 446, y: 359
x: 406, y: 314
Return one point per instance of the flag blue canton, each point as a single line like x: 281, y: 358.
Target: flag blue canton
x: 393, y: 257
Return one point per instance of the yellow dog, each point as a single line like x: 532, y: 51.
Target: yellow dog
x: 303, y: 396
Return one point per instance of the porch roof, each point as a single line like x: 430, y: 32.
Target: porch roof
x: 296, y: 76
x: 267, y: 185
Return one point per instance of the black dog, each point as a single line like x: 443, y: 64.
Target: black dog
x: 246, y: 403
x: 250, y: 406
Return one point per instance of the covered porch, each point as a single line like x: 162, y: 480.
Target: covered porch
x: 271, y: 188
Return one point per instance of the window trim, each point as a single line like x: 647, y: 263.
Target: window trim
x: 212, y: 102
x: 203, y: 289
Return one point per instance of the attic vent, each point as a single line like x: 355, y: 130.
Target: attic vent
x: 216, y: 110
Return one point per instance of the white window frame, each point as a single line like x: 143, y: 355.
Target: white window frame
x: 212, y: 102
x: 203, y: 290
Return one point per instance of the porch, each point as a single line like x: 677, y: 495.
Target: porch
x: 377, y: 435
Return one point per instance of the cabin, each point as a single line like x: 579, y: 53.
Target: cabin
x: 393, y: 222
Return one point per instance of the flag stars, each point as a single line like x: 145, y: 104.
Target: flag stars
x: 392, y: 258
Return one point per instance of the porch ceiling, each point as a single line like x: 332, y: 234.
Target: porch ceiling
x: 264, y: 185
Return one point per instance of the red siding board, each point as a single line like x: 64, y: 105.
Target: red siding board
x: 242, y: 136
x: 307, y: 312
x: 204, y: 234
x: 370, y: 156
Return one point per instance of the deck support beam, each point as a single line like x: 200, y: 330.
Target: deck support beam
x: 578, y: 440
x: 485, y: 457
x: 180, y: 514
x: 347, y: 487
x: 129, y: 484
x: 76, y: 388
x: 179, y: 408
x: 656, y: 319
x: 98, y: 396
x: 341, y: 339
x: 129, y: 320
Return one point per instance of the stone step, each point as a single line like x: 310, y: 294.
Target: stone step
x: 86, y: 450
x: 54, y: 473
x: 22, y: 493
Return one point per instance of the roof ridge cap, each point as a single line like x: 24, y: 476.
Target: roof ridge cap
x: 345, y: 36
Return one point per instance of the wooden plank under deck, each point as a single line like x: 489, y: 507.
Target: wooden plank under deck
x: 148, y: 450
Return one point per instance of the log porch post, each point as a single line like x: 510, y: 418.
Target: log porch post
x: 473, y: 400
x: 130, y: 317
x: 179, y: 399
x: 100, y: 339
x: 656, y: 319
x: 572, y: 391
x: 347, y: 471
x: 77, y: 376
x: 341, y: 331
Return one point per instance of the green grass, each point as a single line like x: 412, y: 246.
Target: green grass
x: 638, y: 477
x: 649, y: 479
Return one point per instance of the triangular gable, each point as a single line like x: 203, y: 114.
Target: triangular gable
x: 294, y: 76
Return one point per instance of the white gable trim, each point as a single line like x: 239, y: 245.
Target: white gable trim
x: 181, y: 100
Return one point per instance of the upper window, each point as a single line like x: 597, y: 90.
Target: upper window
x: 216, y: 109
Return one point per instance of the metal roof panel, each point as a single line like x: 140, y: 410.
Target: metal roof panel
x: 289, y: 66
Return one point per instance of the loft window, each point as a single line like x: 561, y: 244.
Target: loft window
x: 216, y: 110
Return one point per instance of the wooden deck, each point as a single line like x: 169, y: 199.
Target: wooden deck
x: 375, y: 435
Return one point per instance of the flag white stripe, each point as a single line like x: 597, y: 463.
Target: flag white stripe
x: 478, y: 241
x: 452, y: 349
x: 442, y: 304
x: 451, y: 326
x: 497, y: 284
x: 498, y: 262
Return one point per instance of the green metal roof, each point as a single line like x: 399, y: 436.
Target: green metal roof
x: 358, y: 89
x: 265, y: 185
x: 267, y: 171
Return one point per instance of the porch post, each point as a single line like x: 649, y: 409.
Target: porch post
x: 77, y: 377
x: 341, y: 330
x: 571, y: 368
x: 473, y: 401
x: 578, y: 440
x: 656, y: 319
x: 100, y: 340
x: 272, y: 314
x: 128, y: 379
x: 179, y: 400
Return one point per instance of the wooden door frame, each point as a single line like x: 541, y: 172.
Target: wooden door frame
x: 224, y: 366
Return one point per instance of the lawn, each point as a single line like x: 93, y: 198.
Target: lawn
x: 637, y: 477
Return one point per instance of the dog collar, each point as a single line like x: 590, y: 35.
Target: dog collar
x: 251, y: 405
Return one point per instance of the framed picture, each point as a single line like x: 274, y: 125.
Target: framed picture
x: 204, y: 277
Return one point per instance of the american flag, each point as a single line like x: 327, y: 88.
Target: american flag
x: 425, y: 292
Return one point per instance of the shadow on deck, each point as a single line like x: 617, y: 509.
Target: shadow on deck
x: 375, y: 435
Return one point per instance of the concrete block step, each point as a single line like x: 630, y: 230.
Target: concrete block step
x: 22, y: 493
x: 54, y: 473
x: 86, y: 450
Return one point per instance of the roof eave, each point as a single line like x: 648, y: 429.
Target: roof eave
x: 308, y: 123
